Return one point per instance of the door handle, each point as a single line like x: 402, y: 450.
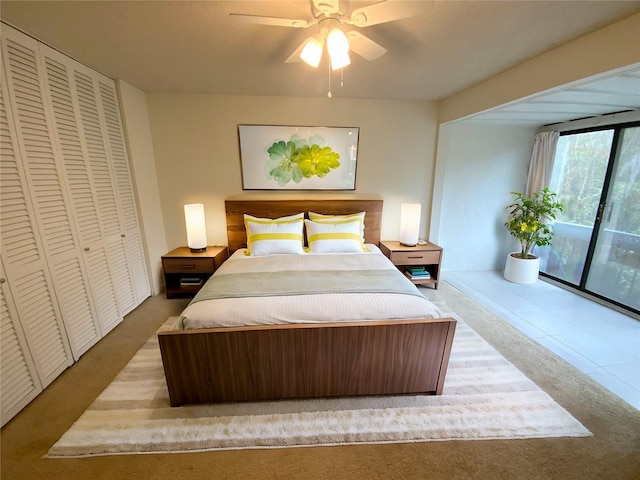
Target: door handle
x: 600, y: 211
x: 609, y: 211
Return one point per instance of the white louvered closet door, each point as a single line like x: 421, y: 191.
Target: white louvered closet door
x: 42, y: 162
x: 19, y: 380
x: 104, y: 186
x: 23, y: 254
x: 66, y: 121
x: 124, y: 188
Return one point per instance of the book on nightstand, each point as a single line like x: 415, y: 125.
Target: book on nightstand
x: 417, y: 273
x: 190, y: 281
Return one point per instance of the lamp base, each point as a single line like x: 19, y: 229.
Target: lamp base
x: 408, y: 244
x: 198, y: 250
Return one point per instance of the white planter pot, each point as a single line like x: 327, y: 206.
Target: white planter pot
x: 519, y: 270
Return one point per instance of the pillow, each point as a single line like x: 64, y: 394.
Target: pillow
x: 290, y: 218
x: 322, y: 218
x: 335, y: 237
x: 266, y: 236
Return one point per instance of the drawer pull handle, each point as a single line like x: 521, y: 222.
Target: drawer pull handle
x: 192, y: 265
x: 415, y: 257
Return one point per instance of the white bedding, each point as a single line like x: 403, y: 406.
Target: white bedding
x: 269, y: 310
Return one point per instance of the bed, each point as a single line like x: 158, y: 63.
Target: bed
x: 250, y: 353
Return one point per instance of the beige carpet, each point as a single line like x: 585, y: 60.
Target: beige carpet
x: 485, y: 397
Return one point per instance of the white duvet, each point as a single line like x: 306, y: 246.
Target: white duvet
x: 341, y: 307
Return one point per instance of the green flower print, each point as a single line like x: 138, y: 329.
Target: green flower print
x: 281, y: 165
x: 316, y: 160
x: 300, y: 158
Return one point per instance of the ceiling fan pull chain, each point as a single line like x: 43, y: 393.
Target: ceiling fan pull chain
x: 329, y: 93
x: 341, y: 77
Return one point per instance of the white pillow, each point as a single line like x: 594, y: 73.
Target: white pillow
x: 289, y: 218
x: 334, y: 237
x: 266, y: 236
x: 322, y: 218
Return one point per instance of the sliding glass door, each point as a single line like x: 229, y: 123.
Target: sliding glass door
x: 596, y: 243
x: 614, y: 272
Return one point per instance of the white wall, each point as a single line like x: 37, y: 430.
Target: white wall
x: 478, y: 166
x: 195, y: 140
x: 135, y: 119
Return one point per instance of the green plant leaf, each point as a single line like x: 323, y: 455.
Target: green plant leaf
x: 530, y: 218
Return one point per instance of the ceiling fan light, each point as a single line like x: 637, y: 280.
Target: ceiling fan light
x: 340, y: 60
x: 338, y: 47
x: 337, y: 41
x: 312, y: 52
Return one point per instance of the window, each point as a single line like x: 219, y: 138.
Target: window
x: 596, y: 243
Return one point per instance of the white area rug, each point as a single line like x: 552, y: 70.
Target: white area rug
x: 485, y: 397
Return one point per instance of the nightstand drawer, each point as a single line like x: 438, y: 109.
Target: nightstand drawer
x: 188, y: 265
x: 415, y: 258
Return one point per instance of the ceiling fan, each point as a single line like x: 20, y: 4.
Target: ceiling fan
x: 330, y: 16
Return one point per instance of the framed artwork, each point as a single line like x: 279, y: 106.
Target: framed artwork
x: 277, y: 157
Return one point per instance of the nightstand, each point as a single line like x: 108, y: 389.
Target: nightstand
x: 429, y: 256
x: 185, y: 272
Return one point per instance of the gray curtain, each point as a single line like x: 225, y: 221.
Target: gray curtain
x: 544, y: 150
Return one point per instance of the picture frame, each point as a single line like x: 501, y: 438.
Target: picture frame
x: 282, y: 157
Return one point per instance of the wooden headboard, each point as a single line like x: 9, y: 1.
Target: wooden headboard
x: 275, y: 207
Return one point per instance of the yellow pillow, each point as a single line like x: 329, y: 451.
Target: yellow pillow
x: 322, y: 218
x: 266, y: 236
x: 339, y: 236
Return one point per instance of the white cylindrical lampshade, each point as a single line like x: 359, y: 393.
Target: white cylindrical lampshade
x: 196, y: 230
x: 409, y: 223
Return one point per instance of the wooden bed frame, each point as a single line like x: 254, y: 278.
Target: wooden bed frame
x: 305, y: 360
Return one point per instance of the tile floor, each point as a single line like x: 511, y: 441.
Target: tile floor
x: 600, y: 341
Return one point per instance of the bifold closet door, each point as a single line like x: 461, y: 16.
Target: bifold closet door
x: 69, y: 135
x: 111, y: 237
x: 63, y: 276
x: 104, y: 186
x: 109, y: 163
x: 124, y: 189
x: 20, y: 382
x: 26, y: 274
x: 72, y: 256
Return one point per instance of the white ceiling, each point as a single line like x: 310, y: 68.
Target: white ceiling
x: 195, y: 47
x: 609, y: 93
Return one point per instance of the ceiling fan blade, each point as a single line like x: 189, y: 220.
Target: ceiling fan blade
x: 295, y: 56
x: 386, y: 11
x: 365, y: 47
x: 273, y: 21
x: 327, y: 7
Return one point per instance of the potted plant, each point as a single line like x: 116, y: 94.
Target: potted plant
x: 530, y: 221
